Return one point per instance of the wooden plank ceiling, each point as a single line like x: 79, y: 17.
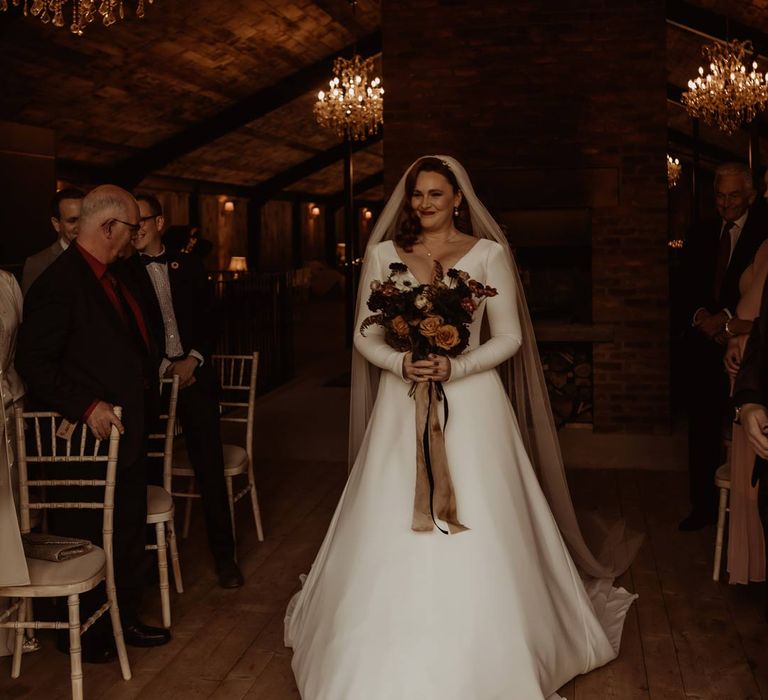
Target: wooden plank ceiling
x: 145, y: 97
x: 222, y: 91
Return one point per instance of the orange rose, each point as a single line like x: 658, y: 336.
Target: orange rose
x: 447, y: 337
x: 400, y: 326
x: 429, y: 325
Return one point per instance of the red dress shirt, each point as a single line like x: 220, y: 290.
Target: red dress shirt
x: 108, y: 282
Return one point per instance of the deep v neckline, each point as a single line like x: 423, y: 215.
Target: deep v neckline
x: 453, y: 266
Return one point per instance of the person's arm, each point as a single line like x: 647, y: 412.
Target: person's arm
x: 28, y: 275
x: 372, y: 345
x: 202, y: 340
x: 40, y: 351
x: 506, y: 335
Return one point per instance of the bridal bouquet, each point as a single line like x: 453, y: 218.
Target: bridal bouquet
x: 425, y: 318
x: 428, y: 318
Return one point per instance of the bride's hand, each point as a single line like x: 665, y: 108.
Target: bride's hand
x: 435, y: 367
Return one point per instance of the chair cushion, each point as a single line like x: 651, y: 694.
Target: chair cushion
x: 235, y: 459
x: 723, y: 476
x: 159, y: 504
x: 51, y: 578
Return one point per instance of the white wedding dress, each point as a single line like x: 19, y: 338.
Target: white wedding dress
x: 498, y: 612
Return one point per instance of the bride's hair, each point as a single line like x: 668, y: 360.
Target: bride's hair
x: 409, y: 226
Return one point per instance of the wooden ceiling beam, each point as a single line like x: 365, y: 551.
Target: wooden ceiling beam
x: 713, y: 26
x: 706, y: 150
x: 337, y: 198
x: 341, y: 11
x: 268, y: 188
x: 134, y: 169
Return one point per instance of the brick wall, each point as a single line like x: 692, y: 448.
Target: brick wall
x: 552, y: 106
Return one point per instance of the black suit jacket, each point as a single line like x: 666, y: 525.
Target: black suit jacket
x: 74, y: 348
x: 193, y: 303
x: 700, y: 260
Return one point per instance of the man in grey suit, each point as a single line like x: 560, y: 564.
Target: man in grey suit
x: 65, y: 214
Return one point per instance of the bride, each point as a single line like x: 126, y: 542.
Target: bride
x: 498, y: 611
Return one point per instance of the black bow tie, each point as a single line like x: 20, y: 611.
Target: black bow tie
x: 161, y: 259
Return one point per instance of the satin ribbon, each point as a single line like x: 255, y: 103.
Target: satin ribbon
x: 434, y: 496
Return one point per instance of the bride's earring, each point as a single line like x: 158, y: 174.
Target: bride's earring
x: 455, y: 211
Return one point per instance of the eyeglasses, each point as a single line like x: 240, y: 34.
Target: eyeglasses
x: 143, y: 220
x: 133, y: 228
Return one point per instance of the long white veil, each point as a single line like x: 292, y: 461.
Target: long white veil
x: 611, y: 549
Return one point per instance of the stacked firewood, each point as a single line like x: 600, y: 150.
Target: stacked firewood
x: 568, y: 372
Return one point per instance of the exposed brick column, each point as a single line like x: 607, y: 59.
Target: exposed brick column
x: 555, y: 105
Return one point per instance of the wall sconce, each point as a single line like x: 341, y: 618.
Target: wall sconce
x: 238, y: 264
x: 367, y: 214
x: 314, y: 210
x: 229, y: 205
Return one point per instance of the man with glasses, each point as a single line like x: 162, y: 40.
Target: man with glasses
x: 65, y: 214
x: 85, y: 347
x: 714, y: 258
x: 180, y: 303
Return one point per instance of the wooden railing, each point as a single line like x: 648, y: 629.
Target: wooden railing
x: 257, y: 311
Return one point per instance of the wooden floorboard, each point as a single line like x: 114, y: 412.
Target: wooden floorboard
x: 686, y: 637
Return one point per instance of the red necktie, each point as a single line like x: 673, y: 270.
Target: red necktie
x: 723, y: 256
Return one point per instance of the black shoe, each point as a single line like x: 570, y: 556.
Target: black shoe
x: 140, y: 635
x: 697, y: 520
x: 95, y: 650
x: 229, y: 574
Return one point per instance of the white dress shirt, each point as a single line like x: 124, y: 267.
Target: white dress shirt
x: 158, y: 273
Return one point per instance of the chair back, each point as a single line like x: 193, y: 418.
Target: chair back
x: 237, y: 379
x: 44, y: 445
x: 160, y: 442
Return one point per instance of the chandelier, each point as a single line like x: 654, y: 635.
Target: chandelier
x: 83, y: 11
x: 673, y: 171
x: 354, y: 104
x: 727, y: 96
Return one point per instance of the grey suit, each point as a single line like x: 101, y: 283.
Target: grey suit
x: 36, y: 264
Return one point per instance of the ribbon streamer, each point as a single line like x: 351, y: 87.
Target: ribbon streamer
x: 434, y: 496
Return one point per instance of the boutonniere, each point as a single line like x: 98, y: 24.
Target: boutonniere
x: 174, y: 265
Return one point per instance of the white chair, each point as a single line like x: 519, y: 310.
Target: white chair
x: 75, y: 576
x: 723, y: 482
x: 160, y: 508
x: 237, y: 377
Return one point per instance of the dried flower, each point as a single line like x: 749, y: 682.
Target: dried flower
x: 388, y: 289
x: 398, y: 267
x: 375, y: 285
x: 400, y: 326
x: 468, y: 305
x: 422, y: 302
x: 447, y: 337
x: 429, y: 326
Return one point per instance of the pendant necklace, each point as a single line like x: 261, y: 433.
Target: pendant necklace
x: 426, y: 247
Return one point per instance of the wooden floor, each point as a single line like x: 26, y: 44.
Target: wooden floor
x: 686, y: 637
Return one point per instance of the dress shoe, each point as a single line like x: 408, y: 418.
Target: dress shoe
x: 94, y: 650
x: 697, y: 520
x: 137, y: 634
x: 229, y: 574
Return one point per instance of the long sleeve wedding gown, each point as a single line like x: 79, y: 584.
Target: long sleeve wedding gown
x: 498, y: 612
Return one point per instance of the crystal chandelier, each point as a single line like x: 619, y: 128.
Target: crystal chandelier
x: 83, y: 11
x: 354, y: 104
x: 727, y: 96
x: 673, y: 171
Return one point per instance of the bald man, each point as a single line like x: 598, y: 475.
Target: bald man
x: 84, y: 348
